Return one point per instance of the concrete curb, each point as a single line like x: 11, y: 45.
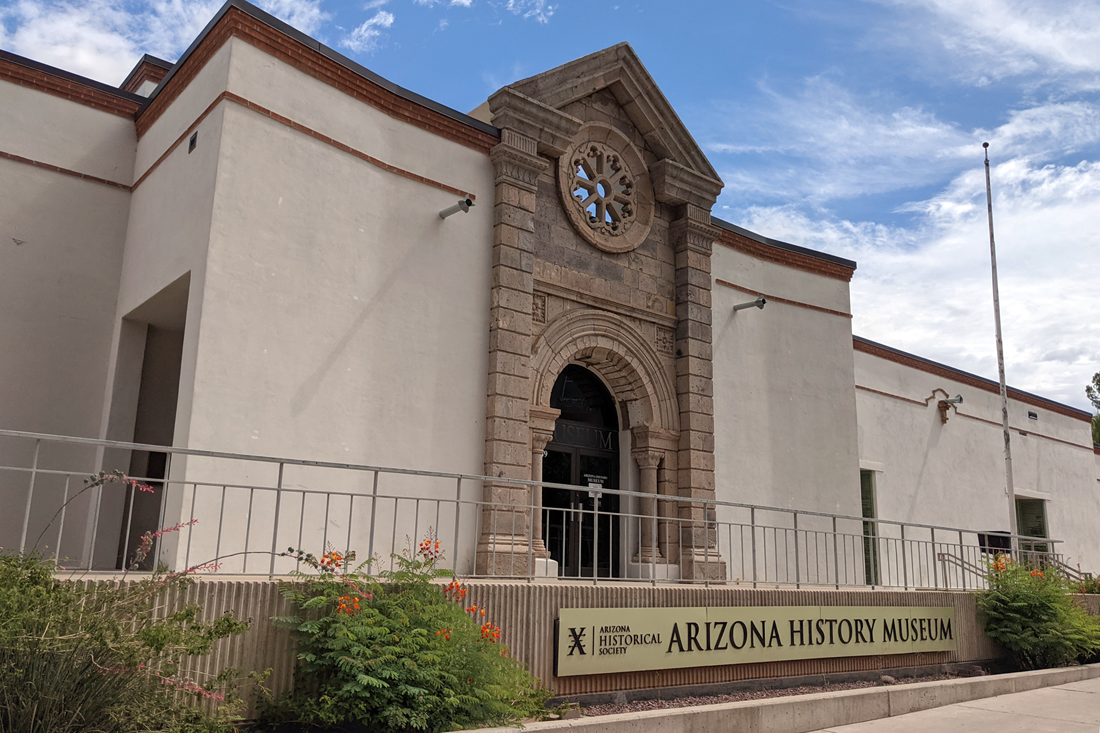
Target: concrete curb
x: 802, y: 713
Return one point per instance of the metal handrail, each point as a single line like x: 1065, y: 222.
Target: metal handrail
x: 366, y: 468
x: 737, y: 535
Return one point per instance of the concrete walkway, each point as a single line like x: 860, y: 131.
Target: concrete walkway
x: 1069, y: 708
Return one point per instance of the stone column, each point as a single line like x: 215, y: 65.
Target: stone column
x: 648, y: 550
x: 542, y: 432
x: 693, y: 237
x: 504, y: 546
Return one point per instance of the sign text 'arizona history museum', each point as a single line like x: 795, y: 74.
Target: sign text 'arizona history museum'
x: 607, y: 640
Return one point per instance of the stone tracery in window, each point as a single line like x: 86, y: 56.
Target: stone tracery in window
x: 604, y: 188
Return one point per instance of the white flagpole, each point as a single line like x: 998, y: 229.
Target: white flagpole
x: 1009, y: 488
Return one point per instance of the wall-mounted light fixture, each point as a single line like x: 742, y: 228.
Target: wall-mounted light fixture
x: 944, y: 405
x: 758, y: 303
x: 463, y: 205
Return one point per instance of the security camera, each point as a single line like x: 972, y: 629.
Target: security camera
x: 463, y: 205
x: 758, y: 303
x: 956, y: 400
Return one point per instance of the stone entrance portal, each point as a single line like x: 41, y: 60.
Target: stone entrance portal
x: 581, y: 529
x: 601, y: 260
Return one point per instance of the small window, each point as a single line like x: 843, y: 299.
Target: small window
x: 870, y: 529
x: 192, y: 142
x: 1032, y: 416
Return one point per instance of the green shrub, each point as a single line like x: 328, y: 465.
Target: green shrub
x: 399, y: 652
x: 1032, y: 614
x: 104, y: 657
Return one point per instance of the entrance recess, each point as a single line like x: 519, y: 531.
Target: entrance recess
x: 581, y: 528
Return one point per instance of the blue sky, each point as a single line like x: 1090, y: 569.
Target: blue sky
x: 854, y: 127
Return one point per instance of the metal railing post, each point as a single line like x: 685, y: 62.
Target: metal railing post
x: 458, y: 509
x: 373, y: 513
x: 752, y: 527
x: 30, y: 497
x: 797, y: 556
x: 836, y: 558
x: 595, y: 537
x: 275, y: 526
x: 904, y: 560
x: 61, y: 526
x: 962, y: 557
x: 163, y: 506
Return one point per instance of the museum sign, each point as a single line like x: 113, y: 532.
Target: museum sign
x: 607, y: 640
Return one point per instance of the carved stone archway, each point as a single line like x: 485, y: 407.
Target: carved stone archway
x: 611, y: 347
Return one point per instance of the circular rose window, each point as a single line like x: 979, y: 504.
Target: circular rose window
x: 605, y: 188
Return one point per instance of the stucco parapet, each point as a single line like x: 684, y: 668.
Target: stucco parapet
x: 677, y: 184
x: 551, y: 129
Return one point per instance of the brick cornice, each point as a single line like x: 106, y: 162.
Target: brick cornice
x: 39, y: 77
x: 955, y: 375
x: 237, y: 23
x: 64, y: 171
x: 799, y: 261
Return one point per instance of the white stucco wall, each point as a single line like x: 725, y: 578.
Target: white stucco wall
x: 341, y: 319
x: 58, y: 288
x: 784, y: 408
x: 953, y: 474
x: 785, y: 431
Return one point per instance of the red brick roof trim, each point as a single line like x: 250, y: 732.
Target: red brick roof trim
x: 150, y: 68
x: 957, y: 375
x: 309, y: 59
x: 60, y: 83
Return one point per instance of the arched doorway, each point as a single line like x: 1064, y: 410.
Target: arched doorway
x: 581, y: 528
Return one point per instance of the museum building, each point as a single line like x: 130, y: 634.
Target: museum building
x: 243, y: 252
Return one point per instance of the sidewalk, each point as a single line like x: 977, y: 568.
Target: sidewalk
x: 1069, y: 708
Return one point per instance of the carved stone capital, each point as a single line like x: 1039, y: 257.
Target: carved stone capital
x: 516, y: 162
x: 542, y: 426
x: 693, y: 231
x: 676, y: 184
x: 551, y: 129
x: 648, y: 458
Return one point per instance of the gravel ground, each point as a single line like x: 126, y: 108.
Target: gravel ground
x: 686, y: 702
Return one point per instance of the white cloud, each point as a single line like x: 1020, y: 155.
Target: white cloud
x: 103, y: 39
x: 365, y: 38
x: 537, y: 9
x: 823, y: 143
x: 305, y: 15
x: 1003, y: 38
x: 927, y: 290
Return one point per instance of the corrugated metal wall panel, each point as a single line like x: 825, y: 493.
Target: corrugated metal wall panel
x: 526, y: 612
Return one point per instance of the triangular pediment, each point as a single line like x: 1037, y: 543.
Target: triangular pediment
x: 619, y: 70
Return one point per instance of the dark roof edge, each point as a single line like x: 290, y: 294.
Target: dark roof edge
x: 995, y: 385
x: 297, y: 35
x: 782, y: 245
x: 68, y: 75
x: 145, y: 59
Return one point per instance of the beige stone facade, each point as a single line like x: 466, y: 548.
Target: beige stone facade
x: 621, y: 287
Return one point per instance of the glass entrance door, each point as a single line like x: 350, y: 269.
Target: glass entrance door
x: 581, y: 527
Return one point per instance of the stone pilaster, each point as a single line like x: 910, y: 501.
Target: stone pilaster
x: 692, y: 237
x: 542, y: 432
x: 504, y: 546
x: 648, y: 551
